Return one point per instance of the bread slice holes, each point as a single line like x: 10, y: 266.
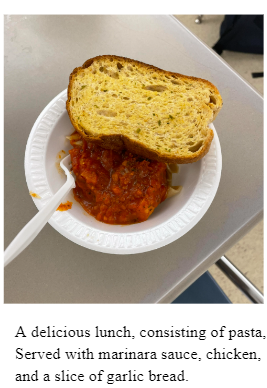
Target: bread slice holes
x: 190, y: 99
x: 175, y: 82
x: 196, y: 147
x: 213, y: 100
x: 119, y: 66
x: 156, y: 88
x: 103, y: 69
x: 111, y: 60
x: 106, y: 113
x: 114, y: 95
x: 114, y: 75
x: 126, y: 98
x: 130, y: 68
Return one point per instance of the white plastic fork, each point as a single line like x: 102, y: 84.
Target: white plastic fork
x: 33, y: 228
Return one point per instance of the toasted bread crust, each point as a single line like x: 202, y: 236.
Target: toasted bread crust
x: 118, y: 142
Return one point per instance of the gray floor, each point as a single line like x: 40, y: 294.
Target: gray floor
x: 247, y: 254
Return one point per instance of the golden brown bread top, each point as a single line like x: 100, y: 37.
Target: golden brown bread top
x: 121, y: 103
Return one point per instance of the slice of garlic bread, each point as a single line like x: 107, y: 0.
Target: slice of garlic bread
x: 121, y: 103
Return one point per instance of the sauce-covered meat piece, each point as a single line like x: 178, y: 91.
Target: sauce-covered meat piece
x: 116, y: 188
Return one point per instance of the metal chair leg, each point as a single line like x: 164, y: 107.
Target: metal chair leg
x: 198, y: 20
x: 240, y: 280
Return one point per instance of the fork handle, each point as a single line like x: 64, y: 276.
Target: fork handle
x: 33, y: 227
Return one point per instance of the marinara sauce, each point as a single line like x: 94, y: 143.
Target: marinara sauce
x: 116, y: 188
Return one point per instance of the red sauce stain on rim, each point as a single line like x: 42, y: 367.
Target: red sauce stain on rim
x: 34, y: 195
x: 65, y: 206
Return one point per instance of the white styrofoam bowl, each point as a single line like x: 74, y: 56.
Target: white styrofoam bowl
x: 171, y: 220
